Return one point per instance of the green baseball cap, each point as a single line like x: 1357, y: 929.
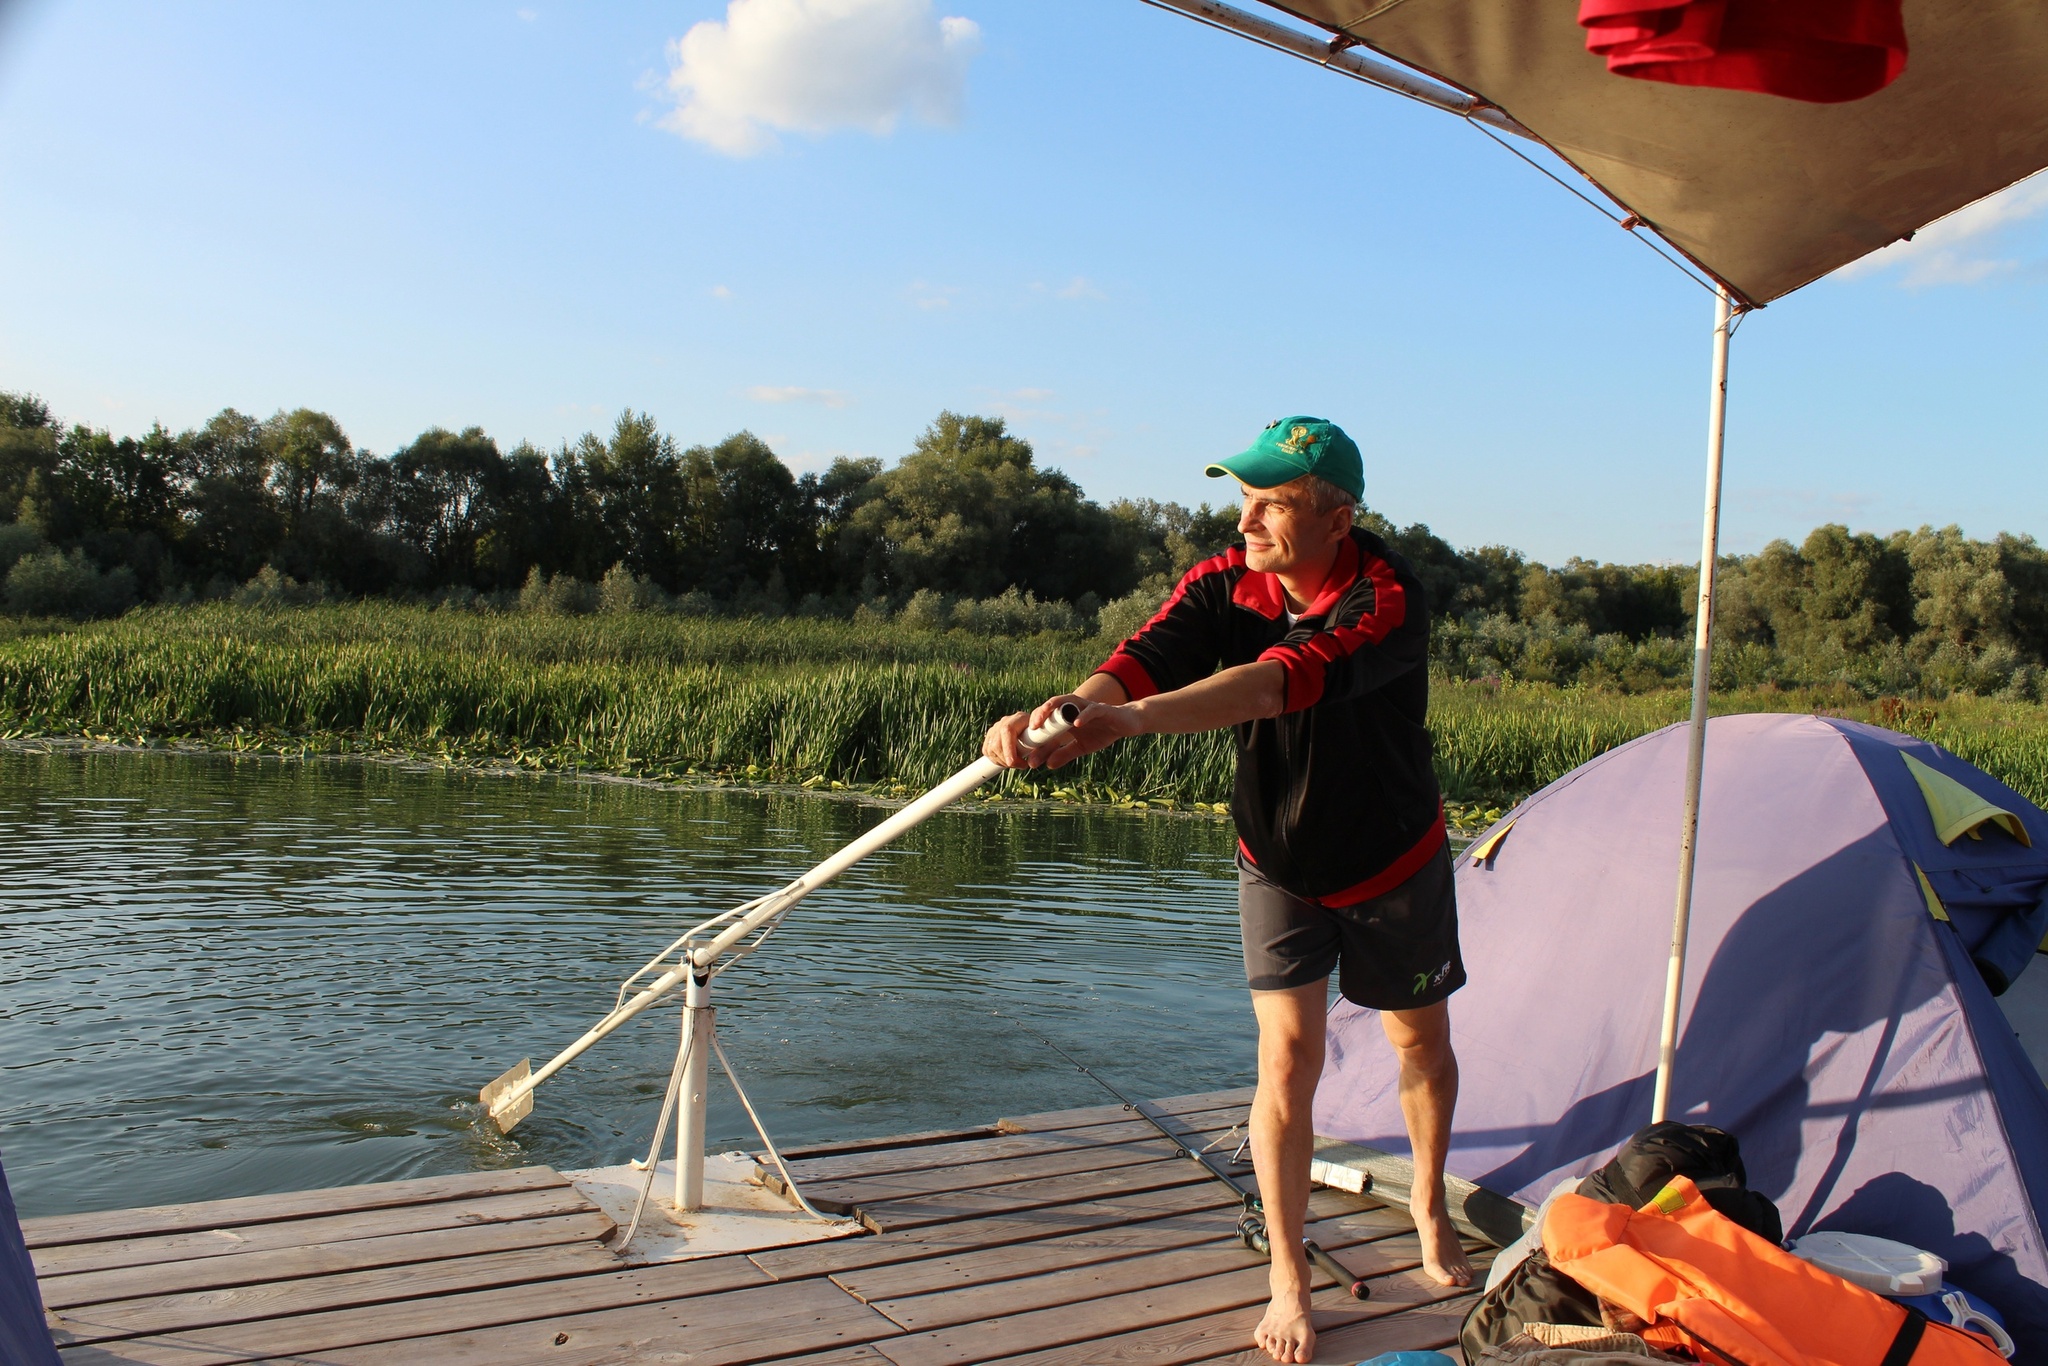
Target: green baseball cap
x: 1292, y: 447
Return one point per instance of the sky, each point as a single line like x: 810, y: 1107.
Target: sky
x: 1136, y: 239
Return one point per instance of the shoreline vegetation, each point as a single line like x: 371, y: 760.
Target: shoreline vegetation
x: 626, y: 604
x: 880, y: 709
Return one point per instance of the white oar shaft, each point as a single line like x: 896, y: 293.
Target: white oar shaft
x: 702, y: 957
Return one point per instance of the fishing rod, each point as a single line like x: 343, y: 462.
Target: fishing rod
x: 1251, y: 1219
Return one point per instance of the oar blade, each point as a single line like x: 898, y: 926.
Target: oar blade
x: 505, y: 1109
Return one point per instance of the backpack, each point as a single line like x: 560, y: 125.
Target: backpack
x: 1537, y: 1292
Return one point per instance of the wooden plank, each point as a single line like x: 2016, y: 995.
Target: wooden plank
x: 220, y: 1242
x: 1149, y: 1337
x: 160, y: 1314
x: 1109, y: 1114
x: 840, y: 1196
x: 1202, y: 1127
x: 1429, y: 1327
x: 362, y: 1330
x: 1368, y: 1247
x: 1102, y: 1240
x: 919, y: 1211
x: 282, y: 1264
x: 913, y: 1245
x: 52, y: 1230
x: 992, y: 1148
x: 772, y: 1323
x: 921, y: 1138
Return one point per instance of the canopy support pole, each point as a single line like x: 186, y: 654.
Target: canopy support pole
x: 1702, y: 677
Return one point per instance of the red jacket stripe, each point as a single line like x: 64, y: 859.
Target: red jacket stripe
x: 1305, y: 663
x: 1123, y: 666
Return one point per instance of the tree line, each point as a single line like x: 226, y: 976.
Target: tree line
x: 965, y: 531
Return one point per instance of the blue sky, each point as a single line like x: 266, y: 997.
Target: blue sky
x: 1136, y: 238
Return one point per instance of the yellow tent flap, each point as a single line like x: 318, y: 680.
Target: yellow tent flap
x: 1487, y: 847
x: 1957, y: 810
x: 1934, y: 906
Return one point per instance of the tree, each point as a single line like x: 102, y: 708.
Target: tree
x: 442, y: 498
x: 967, y: 512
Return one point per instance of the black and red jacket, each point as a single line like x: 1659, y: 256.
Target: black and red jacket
x: 1336, y: 799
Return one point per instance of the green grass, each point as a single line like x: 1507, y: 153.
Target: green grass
x: 818, y: 703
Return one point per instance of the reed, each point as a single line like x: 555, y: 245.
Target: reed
x: 815, y: 703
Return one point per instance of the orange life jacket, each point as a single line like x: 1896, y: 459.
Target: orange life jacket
x: 1705, y: 1283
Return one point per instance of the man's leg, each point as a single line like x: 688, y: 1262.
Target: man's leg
x: 1429, y: 1091
x: 1283, y: 1142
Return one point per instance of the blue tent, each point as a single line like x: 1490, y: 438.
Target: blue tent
x: 24, y: 1341
x: 1858, y: 892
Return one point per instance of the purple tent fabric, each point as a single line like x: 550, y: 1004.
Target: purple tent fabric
x: 24, y: 1340
x: 1831, y: 1023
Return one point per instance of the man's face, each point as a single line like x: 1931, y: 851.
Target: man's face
x: 1282, y: 532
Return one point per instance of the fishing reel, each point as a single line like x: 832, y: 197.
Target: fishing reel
x: 1251, y: 1227
x: 1251, y: 1231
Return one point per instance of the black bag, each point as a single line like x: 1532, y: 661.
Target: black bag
x: 1537, y: 1292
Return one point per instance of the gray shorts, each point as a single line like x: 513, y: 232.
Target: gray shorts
x: 1397, y: 951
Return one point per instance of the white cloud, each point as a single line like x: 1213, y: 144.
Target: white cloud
x: 1080, y: 287
x: 812, y: 66
x: 1953, y: 250
x: 930, y: 296
x: 720, y: 292
x: 795, y: 393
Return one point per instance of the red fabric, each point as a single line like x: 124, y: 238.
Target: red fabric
x: 1395, y: 873
x: 1126, y: 670
x: 1821, y: 51
x: 1124, y: 667
x: 1305, y: 661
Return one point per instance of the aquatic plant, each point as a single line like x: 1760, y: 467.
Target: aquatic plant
x: 817, y: 703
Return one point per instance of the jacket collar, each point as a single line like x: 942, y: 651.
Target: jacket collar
x: 1262, y: 592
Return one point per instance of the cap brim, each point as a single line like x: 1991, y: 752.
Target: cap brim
x: 1256, y: 469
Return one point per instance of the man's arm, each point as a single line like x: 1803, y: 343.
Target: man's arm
x: 1247, y: 692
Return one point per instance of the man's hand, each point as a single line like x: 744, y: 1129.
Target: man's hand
x: 1099, y: 725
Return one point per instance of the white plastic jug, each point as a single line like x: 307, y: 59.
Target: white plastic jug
x: 1877, y: 1264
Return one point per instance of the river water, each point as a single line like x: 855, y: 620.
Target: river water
x: 225, y: 976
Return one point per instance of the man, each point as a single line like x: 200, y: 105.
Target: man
x: 1312, y: 641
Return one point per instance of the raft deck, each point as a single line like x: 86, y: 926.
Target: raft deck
x: 1073, y: 1238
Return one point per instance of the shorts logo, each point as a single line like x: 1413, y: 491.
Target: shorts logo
x: 1425, y: 980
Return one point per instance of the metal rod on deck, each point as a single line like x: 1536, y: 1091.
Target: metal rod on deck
x: 1702, y: 680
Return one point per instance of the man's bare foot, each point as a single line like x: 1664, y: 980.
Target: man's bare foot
x: 1285, y: 1333
x: 1443, y: 1255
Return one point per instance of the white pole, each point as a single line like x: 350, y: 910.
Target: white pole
x: 1696, y: 748
x: 692, y: 1105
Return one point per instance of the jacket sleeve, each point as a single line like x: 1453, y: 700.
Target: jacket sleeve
x: 1377, y: 631
x: 1183, y: 643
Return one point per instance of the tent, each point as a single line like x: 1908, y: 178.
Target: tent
x: 24, y: 1341
x: 1855, y: 890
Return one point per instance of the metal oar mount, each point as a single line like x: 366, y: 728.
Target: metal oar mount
x: 709, y: 949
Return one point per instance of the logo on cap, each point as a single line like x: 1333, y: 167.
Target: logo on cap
x: 1300, y: 440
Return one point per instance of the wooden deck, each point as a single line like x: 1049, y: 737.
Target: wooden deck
x: 1067, y: 1239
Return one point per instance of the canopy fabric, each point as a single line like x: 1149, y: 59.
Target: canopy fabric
x: 1825, y: 51
x: 1763, y: 193
x: 1843, y: 1034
